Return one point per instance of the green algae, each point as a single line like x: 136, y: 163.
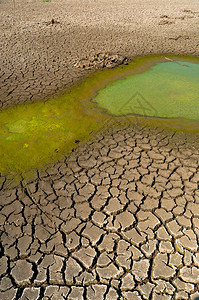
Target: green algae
x: 32, y: 135
x: 166, y: 90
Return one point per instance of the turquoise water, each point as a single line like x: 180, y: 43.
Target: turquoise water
x: 166, y: 90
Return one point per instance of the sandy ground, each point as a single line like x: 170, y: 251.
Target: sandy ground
x: 118, y: 219
x: 37, y: 58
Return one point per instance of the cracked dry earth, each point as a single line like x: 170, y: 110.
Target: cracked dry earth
x: 118, y: 219
x: 38, y: 57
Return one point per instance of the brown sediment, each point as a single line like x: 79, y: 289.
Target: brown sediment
x: 118, y: 217
x: 38, y: 56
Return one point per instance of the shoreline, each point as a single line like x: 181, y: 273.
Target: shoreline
x: 38, y: 58
x: 28, y: 127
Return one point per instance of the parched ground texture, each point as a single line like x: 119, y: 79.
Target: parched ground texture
x: 119, y: 217
x: 38, y: 58
x: 116, y: 220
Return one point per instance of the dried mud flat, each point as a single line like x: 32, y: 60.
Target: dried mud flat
x: 38, y: 56
x: 116, y: 220
x: 119, y: 217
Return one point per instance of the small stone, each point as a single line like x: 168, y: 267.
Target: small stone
x: 164, y: 16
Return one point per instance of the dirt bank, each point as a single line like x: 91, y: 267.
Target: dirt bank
x: 39, y: 55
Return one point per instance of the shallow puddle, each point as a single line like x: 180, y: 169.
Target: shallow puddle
x: 166, y: 90
x: 31, y: 135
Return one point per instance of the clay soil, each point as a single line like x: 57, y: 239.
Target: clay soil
x: 118, y: 218
x: 43, y: 42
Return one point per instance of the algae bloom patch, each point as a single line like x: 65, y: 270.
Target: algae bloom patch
x: 33, y: 135
x: 166, y: 90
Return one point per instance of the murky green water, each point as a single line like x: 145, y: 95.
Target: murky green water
x: 167, y: 90
x: 31, y: 135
